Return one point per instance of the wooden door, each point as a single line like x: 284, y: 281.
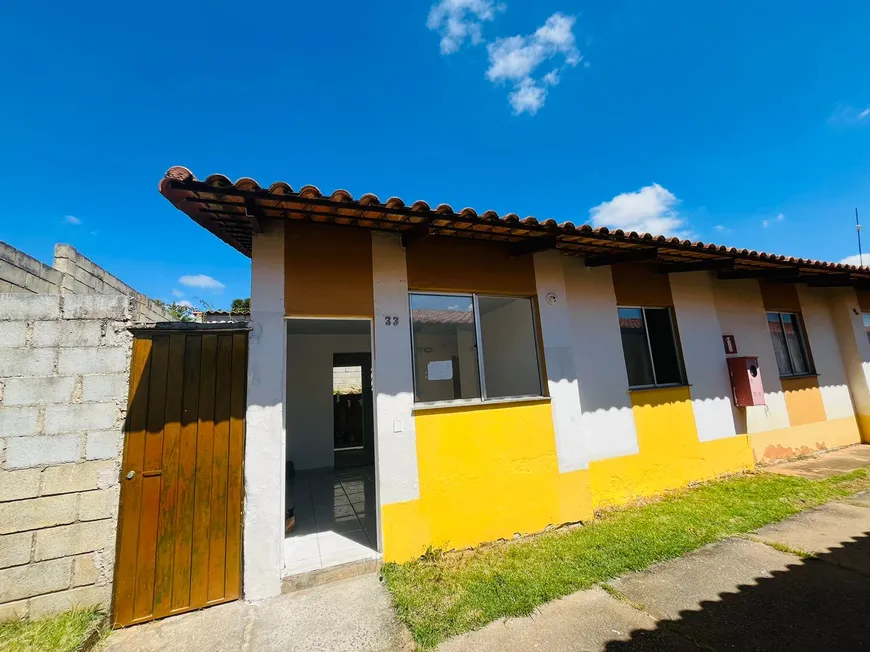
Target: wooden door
x: 179, y: 534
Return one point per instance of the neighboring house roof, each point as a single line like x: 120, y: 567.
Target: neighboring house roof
x: 233, y: 212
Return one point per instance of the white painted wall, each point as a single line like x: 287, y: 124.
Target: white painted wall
x: 703, y: 354
x: 310, y: 427
x: 264, y: 434
x: 825, y: 350
x: 395, y: 442
x: 741, y: 313
x: 510, y: 358
x: 607, y: 422
x: 562, y: 383
x: 854, y: 346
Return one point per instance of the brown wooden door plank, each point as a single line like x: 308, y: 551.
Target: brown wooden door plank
x: 218, y: 526
x: 143, y: 598
x: 131, y: 490
x: 186, y: 474
x: 235, y: 462
x: 166, y: 526
x: 204, y: 451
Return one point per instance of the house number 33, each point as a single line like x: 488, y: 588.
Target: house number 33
x: 390, y: 320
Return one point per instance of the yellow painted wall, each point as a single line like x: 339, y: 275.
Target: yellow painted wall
x: 784, y: 443
x: 803, y: 400
x: 670, y: 454
x: 486, y: 472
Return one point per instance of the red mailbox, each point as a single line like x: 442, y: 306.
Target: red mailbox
x: 746, y: 381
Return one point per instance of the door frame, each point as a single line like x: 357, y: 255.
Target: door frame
x: 371, y: 322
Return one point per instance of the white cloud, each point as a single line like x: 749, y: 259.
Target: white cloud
x: 514, y: 59
x: 177, y: 293
x: 185, y: 303
x: 71, y: 219
x: 846, y: 115
x: 652, y: 209
x: 767, y: 223
x: 720, y: 228
x: 527, y: 97
x: 458, y: 20
x: 856, y: 260
x: 201, y: 281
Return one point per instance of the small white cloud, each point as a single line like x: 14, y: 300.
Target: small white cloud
x: 201, y: 281
x: 460, y: 20
x: 514, y: 59
x: 652, y: 209
x: 767, y: 223
x: 527, y: 97
x: 71, y: 219
x: 846, y: 115
x: 177, y: 293
x: 185, y: 303
x: 856, y: 260
x: 552, y: 78
x: 720, y: 228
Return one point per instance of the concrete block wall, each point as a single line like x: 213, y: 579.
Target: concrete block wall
x: 64, y: 370
x: 346, y: 380
x: 72, y: 274
x: 22, y: 273
x: 83, y: 276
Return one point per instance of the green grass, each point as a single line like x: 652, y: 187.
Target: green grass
x: 62, y: 633
x: 444, y: 594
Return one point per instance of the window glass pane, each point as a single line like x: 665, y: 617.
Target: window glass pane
x: 796, y: 346
x: 445, y: 349
x: 666, y: 359
x: 635, y: 347
x: 780, y: 348
x: 510, y: 355
x: 867, y: 324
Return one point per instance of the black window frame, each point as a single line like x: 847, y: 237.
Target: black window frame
x: 475, y: 296
x: 681, y: 366
x: 804, y: 341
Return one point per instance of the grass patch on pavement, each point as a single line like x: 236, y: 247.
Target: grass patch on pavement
x: 444, y: 594
x: 62, y: 633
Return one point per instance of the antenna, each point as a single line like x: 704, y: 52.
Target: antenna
x: 858, y: 230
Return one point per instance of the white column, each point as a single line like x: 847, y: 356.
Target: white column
x: 559, y: 358
x: 395, y: 440
x: 703, y: 354
x: 741, y: 313
x: 608, y: 421
x: 855, y: 350
x: 265, y: 439
x: 825, y: 351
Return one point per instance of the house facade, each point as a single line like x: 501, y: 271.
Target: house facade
x: 523, y: 374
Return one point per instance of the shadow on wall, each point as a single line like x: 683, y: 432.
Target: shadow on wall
x: 179, y: 538
x: 816, y: 604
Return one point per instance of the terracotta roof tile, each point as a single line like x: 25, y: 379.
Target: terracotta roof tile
x: 233, y: 222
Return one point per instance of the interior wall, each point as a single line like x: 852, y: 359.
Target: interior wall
x: 510, y: 360
x: 309, y: 395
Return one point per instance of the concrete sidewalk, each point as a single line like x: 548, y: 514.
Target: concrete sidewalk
x: 801, y: 584
x: 354, y: 614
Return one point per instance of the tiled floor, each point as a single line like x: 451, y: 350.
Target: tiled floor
x: 336, y: 520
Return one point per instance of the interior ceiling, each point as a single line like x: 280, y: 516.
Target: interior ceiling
x: 328, y: 326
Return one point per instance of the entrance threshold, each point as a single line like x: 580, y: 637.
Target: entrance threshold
x: 308, y: 580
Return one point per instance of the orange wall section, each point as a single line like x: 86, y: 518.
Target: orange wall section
x: 638, y: 285
x: 462, y: 265
x: 327, y: 271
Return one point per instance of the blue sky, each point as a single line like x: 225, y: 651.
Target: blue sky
x: 741, y: 123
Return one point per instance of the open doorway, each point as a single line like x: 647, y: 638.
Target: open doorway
x: 331, y: 506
